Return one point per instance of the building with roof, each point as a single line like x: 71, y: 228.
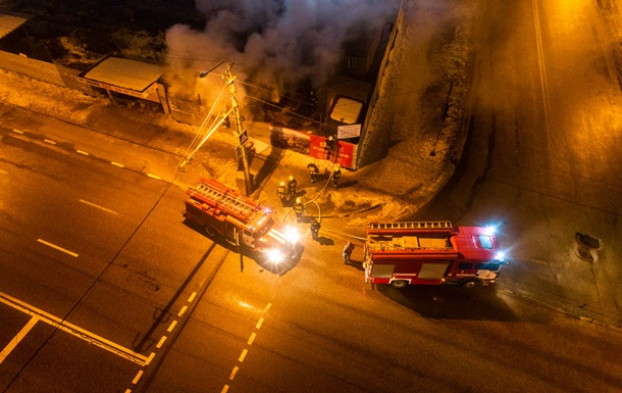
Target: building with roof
x: 127, y: 81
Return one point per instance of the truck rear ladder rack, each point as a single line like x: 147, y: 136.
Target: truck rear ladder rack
x: 232, y: 203
x: 411, y: 225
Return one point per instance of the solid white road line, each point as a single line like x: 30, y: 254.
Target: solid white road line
x: 73, y: 254
x: 72, y: 329
x: 98, y: 207
x: 18, y: 337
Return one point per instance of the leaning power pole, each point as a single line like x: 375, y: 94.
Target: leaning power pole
x: 240, y: 133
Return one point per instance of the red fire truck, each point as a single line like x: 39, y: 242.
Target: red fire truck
x: 431, y: 253
x: 240, y: 220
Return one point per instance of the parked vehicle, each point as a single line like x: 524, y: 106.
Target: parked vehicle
x: 240, y: 220
x: 431, y: 253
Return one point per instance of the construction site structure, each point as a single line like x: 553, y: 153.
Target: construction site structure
x: 431, y: 253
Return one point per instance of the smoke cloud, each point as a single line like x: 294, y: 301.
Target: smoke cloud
x: 275, y: 43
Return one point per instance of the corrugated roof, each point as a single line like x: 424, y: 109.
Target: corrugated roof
x: 8, y: 23
x: 125, y: 73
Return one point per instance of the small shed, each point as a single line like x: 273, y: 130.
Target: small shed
x: 127, y: 81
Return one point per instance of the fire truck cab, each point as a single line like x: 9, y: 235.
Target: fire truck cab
x: 431, y: 253
x: 240, y: 220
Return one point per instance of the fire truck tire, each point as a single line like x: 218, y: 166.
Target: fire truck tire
x: 399, y: 284
x: 210, y: 231
x: 469, y: 284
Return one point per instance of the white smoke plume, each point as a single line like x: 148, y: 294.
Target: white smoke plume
x: 274, y: 43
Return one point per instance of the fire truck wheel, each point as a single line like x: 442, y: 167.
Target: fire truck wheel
x: 399, y: 284
x: 210, y: 231
x: 469, y: 284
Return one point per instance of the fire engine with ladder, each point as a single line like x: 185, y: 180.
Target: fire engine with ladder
x: 431, y: 253
x: 240, y: 220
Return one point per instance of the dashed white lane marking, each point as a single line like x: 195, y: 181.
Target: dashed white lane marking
x: 259, y: 323
x: 161, y: 342
x: 182, y: 311
x: 18, y: 131
x: 3, y: 172
x: 54, y: 246
x: 51, y: 142
x: 242, y: 355
x: 84, y: 153
x: 154, y: 176
x: 233, y: 372
x: 192, y: 296
x: 117, y: 164
x: 265, y: 310
x: 98, y: 207
x: 137, y: 377
x: 225, y: 389
x: 150, y: 358
x: 252, y: 338
x: 72, y: 329
x: 18, y: 337
x: 172, y: 326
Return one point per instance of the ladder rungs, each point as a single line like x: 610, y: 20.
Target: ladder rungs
x: 412, y: 225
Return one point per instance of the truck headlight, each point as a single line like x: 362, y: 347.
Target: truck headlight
x: 292, y: 235
x: 275, y: 255
x: 499, y: 256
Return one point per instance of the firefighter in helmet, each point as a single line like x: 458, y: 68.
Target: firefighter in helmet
x: 347, y: 252
x: 330, y: 145
x: 336, y: 175
x: 291, y: 186
x: 313, y: 171
x: 315, y: 228
x: 299, y: 209
x: 280, y: 191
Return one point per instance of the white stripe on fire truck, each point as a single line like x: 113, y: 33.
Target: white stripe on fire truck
x: 277, y: 235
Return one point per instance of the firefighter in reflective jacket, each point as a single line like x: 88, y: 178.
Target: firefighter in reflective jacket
x: 280, y: 191
x: 315, y: 228
x: 313, y: 171
x: 347, y: 252
x: 299, y: 208
x: 330, y: 145
x: 336, y: 175
x: 291, y: 186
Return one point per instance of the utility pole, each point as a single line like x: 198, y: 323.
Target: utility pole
x: 238, y: 125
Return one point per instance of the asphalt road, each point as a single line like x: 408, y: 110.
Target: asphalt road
x: 150, y: 304
x: 542, y: 160
x: 135, y: 300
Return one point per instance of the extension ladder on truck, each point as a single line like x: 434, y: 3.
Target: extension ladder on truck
x: 414, y: 225
x: 232, y: 203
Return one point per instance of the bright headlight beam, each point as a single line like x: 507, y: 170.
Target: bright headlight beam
x: 490, y: 230
x: 291, y: 235
x: 275, y: 255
